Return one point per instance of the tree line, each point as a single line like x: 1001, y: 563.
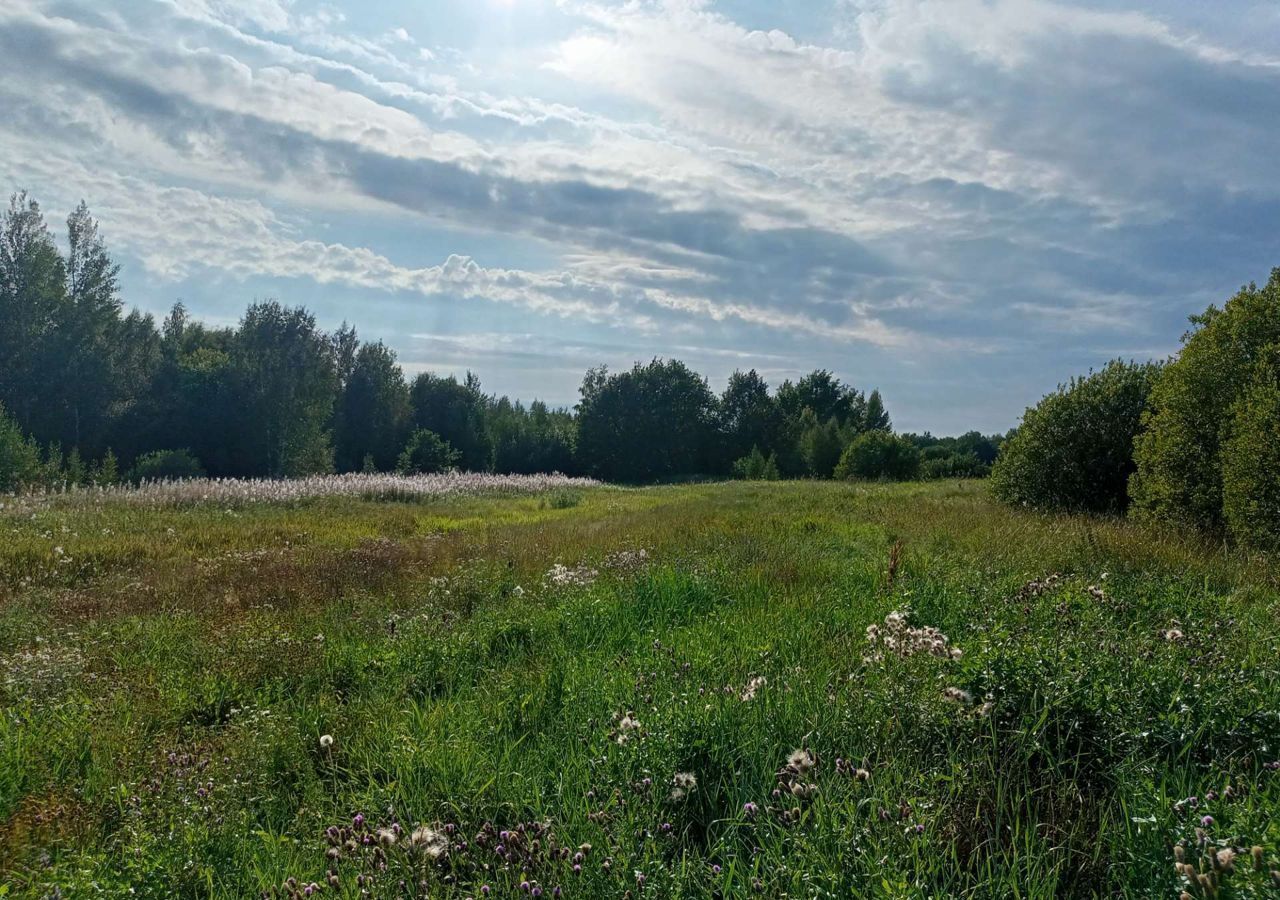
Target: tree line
x: 92, y: 393
x: 1193, y: 441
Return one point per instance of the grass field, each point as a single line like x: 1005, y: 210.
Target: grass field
x: 453, y: 697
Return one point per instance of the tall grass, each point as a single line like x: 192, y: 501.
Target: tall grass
x: 632, y: 672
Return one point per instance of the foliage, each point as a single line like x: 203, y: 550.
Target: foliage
x: 879, y: 456
x: 1074, y: 450
x: 821, y: 444
x: 649, y: 423
x: 952, y: 465
x: 284, y: 374
x: 1179, y: 456
x: 456, y: 412
x: 19, y: 456
x: 426, y: 453
x: 747, y: 417
x: 1251, y: 459
x: 166, y: 465
x: 373, y: 411
x: 277, y: 396
x: 755, y: 466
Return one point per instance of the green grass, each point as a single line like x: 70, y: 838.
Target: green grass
x: 166, y: 676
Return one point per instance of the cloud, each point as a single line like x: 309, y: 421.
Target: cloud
x: 947, y: 183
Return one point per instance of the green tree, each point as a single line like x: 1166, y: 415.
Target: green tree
x: 874, y: 416
x: 654, y: 421
x: 426, y: 453
x: 19, y: 456
x: 820, y: 444
x: 1251, y: 459
x: 755, y: 466
x: 32, y: 302
x: 373, y: 411
x: 1074, y: 450
x: 879, y: 456
x: 456, y: 412
x: 747, y: 417
x: 166, y: 465
x: 285, y: 381
x: 1179, y: 455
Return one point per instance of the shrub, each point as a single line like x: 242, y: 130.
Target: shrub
x: 1251, y: 460
x: 167, y: 465
x: 1179, y: 456
x: 953, y: 465
x: 561, y: 500
x: 755, y: 466
x: 879, y: 455
x: 1074, y: 450
x: 426, y: 453
x: 19, y: 456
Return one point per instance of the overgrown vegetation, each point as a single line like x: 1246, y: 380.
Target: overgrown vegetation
x: 782, y: 690
x: 1217, y: 388
x: 1074, y: 450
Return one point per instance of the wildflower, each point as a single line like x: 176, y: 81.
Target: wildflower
x: 1225, y: 859
x: 358, y: 821
x: 1173, y: 635
x: 429, y: 842
x: 1257, y: 858
x: 326, y: 741
x: 626, y: 726
x: 750, y: 808
x: 1179, y: 853
x: 1207, y: 821
x: 754, y: 685
x: 801, y: 761
x: 386, y: 837
x: 957, y: 695
x: 682, y: 785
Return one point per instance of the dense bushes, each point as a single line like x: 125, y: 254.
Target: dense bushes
x: 167, y: 465
x: 426, y: 454
x: 755, y: 466
x: 1217, y: 376
x: 1251, y: 460
x: 879, y: 456
x: 1074, y: 450
x: 19, y: 456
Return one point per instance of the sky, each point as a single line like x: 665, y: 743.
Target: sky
x: 962, y: 203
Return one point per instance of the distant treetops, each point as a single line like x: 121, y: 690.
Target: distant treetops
x: 1195, y: 442
x: 90, y: 394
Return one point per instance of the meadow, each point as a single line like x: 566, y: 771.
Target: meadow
x: 788, y: 689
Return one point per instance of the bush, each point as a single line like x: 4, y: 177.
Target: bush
x: 879, y: 455
x: 1251, y: 461
x: 1074, y: 450
x: 426, y: 453
x: 1179, y: 456
x: 167, y: 465
x: 755, y: 466
x: 953, y: 465
x: 19, y: 457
